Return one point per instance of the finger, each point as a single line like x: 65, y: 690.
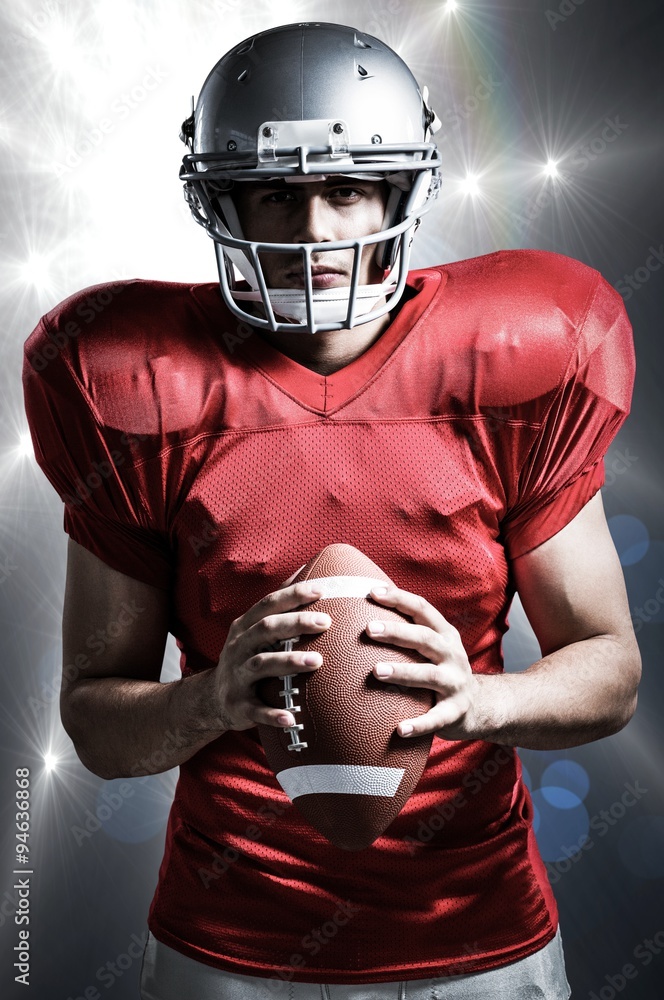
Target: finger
x: 421, y: 638
x: 278, y: 601
x: 414, y: 606
x: 267, y: 633
x: 260, y: 714
x: 441, y: 679
x: 279, y: 664
x: 444, y: 713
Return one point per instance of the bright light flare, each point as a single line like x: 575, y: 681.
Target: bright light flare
x: 470, y: 185
x: 35, y: 270
x: 24, y: 447
x: 551, y: 169
x: 451, y: 6
x: 61, y: 46
x: 50, y: 761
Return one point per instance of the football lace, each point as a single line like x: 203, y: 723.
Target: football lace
x: 287, y: 693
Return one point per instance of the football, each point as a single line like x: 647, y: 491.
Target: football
x: 343, y: 765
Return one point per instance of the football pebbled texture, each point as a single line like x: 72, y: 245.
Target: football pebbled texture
x: 343, y: 765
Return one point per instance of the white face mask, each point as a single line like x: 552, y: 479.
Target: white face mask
x: 315, y: 309
x: 330, y: 305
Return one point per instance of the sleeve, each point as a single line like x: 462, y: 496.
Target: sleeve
x: 565, y: 466
x: 99, y: 472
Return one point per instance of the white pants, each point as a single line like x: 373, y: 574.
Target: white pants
x: 168, y: 975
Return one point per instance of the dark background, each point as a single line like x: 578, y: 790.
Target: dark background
x: 516, y: 84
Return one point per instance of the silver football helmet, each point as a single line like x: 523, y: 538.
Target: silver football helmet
x: 309, y: 101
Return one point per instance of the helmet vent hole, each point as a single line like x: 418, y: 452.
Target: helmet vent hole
x: 360, y: 43
x: 247, y: 47
x: 243, y: 76
x: 362, y: 71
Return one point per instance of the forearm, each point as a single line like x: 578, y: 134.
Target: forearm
x: 127, y: 728
x: 582, y: 692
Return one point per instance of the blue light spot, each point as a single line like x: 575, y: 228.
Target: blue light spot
x: 561, y: 832
x: 630, y: 537
x: 560, y: 798
x: 527, y: 780
x: 536, y: 818
x: 640, y: 847
x: 134, y: 811
x: 570, y: 775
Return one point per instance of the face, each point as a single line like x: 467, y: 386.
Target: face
x: 320, y: 211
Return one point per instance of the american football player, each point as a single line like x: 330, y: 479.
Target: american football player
x: 450, y: 422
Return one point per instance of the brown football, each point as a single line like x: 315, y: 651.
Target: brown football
x: 343, y: 764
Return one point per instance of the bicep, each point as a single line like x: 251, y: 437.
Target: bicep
x: 112, y: 624
x: 572, y: 586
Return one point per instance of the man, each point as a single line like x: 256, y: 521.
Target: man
x: 450, y: 423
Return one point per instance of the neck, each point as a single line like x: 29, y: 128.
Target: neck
x: 329, y: 351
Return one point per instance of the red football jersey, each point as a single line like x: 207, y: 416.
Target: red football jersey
x: 194, y: 456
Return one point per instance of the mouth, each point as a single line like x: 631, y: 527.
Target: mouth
x: 322, y: 276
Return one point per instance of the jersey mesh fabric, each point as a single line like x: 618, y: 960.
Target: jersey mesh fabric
x: 195, y: 456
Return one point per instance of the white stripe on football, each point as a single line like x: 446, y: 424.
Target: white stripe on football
x: 348, y: 779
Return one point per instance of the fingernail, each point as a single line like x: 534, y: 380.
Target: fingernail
x: 379, y: 591
x: 322, y: 620
x: 405, y: 730
x: 284, y: 720
x: 311, y: 660
x: 376, y: 626
x: 383, y: 669
x: 315, y: 591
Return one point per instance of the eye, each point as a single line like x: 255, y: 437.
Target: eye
x: 278, y: 197
x: 346, y: 193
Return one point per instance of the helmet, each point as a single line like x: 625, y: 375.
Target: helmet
x: 308, y: 101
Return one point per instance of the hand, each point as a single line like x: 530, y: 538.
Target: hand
x: 449, y: 673
x: 253, y: 650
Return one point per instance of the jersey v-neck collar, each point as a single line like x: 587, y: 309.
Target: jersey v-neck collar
x: 327, y: 394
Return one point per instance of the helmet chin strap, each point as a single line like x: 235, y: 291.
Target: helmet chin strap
x: 330, y: 305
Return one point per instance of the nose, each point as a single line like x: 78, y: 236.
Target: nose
x: 313, y: 222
